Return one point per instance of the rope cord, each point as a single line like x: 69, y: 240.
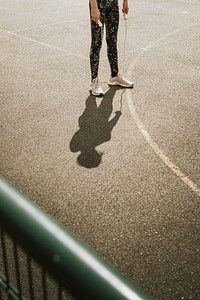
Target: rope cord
x: 125, y: 41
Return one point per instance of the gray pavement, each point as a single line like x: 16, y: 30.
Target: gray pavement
x: 139, y: 205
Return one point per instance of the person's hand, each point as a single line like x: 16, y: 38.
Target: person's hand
x: 95, y: 14
x: 125, y: 8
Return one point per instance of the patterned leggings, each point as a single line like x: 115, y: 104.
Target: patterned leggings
x: 109, y: 15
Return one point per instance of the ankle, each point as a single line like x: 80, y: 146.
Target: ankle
x: 114, y: 74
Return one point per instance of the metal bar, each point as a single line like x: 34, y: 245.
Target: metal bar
x: 5, y: 262
x: 3, y: 282
x: 12, y: 292
x: 17, y: 270
x: 30, y: 277
x: 44, y: 285
x: 72, y: 263
x: 60, y: 292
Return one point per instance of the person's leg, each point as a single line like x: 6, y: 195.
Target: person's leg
x: 112, y: 24
x: 96, y: 43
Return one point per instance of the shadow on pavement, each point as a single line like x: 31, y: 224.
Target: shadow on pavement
x: 95, y: 129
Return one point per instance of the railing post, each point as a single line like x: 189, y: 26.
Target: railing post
x: 82, y: 272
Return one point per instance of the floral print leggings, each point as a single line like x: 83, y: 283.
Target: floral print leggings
x: 109, y: 16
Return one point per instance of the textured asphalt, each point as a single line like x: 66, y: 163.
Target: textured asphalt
x: 136, y: 198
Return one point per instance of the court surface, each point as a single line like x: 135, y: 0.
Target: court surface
x: 129, y: 184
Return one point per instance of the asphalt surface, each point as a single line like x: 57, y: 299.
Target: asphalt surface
x: 129, y: 187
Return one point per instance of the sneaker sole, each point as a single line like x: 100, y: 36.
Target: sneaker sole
x: 123, y: 85
x: 95, y: 94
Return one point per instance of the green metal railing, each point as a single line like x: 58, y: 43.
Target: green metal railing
x: 74, y: 266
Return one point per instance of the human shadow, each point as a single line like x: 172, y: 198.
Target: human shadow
x: 94, y: 129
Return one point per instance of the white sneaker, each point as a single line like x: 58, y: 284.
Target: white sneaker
x: 120, y: 80
x: 95, y: 88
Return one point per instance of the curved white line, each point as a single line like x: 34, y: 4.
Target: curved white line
x: 145, y: 133
x: 137, y: 120
x: 157, y: 149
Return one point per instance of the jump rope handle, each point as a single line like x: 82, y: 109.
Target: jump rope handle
x: 125, y: 17
x: 99, y: 23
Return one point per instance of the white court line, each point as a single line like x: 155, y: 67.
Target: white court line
x: 157, y: 149
x: 47, y: 25
x: 171, y: 33
x: 177, y: 40
x: 136, y: 118
x: 44, y: 44
x: 164, y: 43
x: 145, y: 133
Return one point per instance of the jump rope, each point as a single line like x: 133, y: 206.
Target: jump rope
x: 125, y: 17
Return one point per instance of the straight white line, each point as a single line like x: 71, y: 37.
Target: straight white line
x: 164, y: 43
x: 47, y: 25
x: 175, y: 40
x: 171, y: 33
x: 44, y: 44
